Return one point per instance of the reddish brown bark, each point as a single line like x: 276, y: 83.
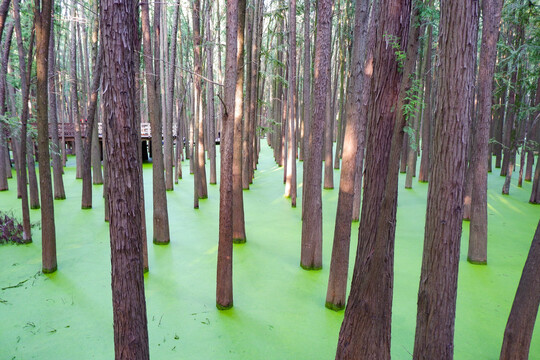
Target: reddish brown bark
x: 224, y: 284
x: 365, y: 332
x: 42, y: 16
x: 290, y: 183
x: 438, y: 281
x: 423, y: 173
x: 491, y: 11
x: 311, y: 252
x: 239, y: 227
x: 118, y: 35
x: 339, y: 265
x: 159, y: 197
x: 520, y: 325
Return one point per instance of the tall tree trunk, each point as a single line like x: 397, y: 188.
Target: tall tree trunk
x: 520, y: 325
x: 160, y: 216
x: 365, y: 332
x: 42, y: 16
x: 97, y: 175
x: 201, y: 190
x: 74, y: 94
x: 86, y: 202
x: 438, y: 281
x: 59, y: 191
x: 5, y: 162
x: 311, y: 252
x: 32, y: 178
x: 306, y: 87
x: 210, y: 95
x: 339, y: 265
x: 239, y: 227
x: 169, y: 175
x: 25, y: 90
x: 290, y: 184
x: 118, y: 34
x: 423, y: 173
x: 491, y: 12
x: 246, y: 133
x: 224, y: 283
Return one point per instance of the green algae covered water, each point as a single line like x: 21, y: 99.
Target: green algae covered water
x: 278, y: 309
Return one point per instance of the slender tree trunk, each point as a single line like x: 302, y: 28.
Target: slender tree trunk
x: 32, y: 178
x: 290, y: 185
x: 74, y: 93
x: 160, y: 216
x: 438, y: 282
x: 491, y: 12
x: 365, y: 332
x: 59, y: 191
x: 239, y: 228
x: 169, y: 175
x: 339, y: 265
x: 200, y: 178
x: 224, y: 283
x: 86, y: 202
x: 97, y: 176
x: 5, y: 162
x: 311, y: 253
x: 42, y: 16
x: 249, y: 31
x: 306, y: 87
x: 210, y: 96
x: 329, y: 134
x: 25, y: 90
x: 423, y: 173
x: 520, y: 325
x: 118, y: 35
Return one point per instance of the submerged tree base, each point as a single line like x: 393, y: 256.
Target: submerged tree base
x: 224, y: 307
x: 336, y: 307
x: 159, y: 242
x: 477, y: 262
x: 49, y: 271
x: 311, y: 267
x: 239, y: 241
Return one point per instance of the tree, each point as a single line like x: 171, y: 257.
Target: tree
x: 438, y: 280
x: 520, y: 325
x: 161, y: 217
x: 339, y: 266
x: 224, y: 284
x: 306, y: 86
x: 491, y: 10
x: 5, y: 162
x: 42, y: 19
x: 74, y: 92
x: 59, y: 191
x: 25, y: 89
x: 290, y: 184
x: 86, y: 202
x: 311, y: 253
x: 118, y: 36
x: 201, y: 191
x: 239, y: 226
x: 365, y: 331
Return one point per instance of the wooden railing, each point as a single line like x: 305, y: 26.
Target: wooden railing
x: 68, y: 129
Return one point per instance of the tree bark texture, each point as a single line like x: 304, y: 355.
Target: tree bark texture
x: 42, y: 15
x: 520, y: 325
x: 118, y: 34
x: 239, y: 227
x: 224, y: 284
x: 339, y: 265
x: 477, y: 253
x: 290, y: 183
x: 5, y: 162
x: 311, y: 251
x: 59, y: 191
x: 365, y: 331
x: 438, y: 281
x: 423, y: 173
x: 160, y: 216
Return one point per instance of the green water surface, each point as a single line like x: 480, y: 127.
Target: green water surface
x: 278, y: 309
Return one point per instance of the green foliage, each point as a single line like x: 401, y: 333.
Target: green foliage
x: 411, y: 103
x: 393, y: 41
